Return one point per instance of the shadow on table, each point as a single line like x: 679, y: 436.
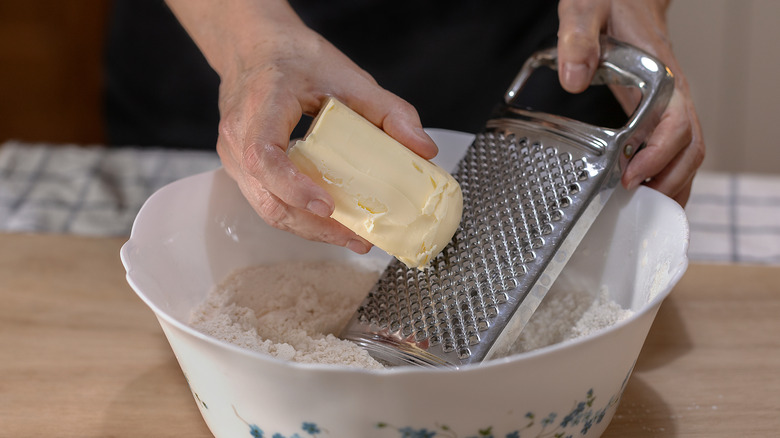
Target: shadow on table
x: 667, y: 340
x: 642, y: 412
x: 157, y: 403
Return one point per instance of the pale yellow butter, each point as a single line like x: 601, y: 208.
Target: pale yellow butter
x: 385, y: 193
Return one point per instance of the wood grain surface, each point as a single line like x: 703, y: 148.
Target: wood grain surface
x: 81, y: 355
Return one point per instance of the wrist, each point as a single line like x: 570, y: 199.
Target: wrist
x: 232, y: 34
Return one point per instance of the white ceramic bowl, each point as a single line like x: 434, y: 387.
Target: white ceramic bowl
x: 194, y: 232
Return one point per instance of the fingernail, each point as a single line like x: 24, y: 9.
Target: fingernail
x: 432, y: 149
x: 575, y: 77
x: 420, y: 132
x: 357, y: 246
x: 318, y: 207
x: 635, y: 182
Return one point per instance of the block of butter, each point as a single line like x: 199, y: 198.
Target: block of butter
x: 385, y: 193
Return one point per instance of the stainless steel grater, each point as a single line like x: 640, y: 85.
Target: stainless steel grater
x: 532, y: 184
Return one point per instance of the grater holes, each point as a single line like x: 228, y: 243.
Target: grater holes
x: 456, y: 329
x: 363, y: 315
x: 499, y: 237
x: 518, y: 267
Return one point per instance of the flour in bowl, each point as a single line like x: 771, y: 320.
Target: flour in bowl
x: 295, y: 310
x: 291, y: 311
x: 565, y: 315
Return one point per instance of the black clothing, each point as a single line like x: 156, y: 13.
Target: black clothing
x: 452, y: 60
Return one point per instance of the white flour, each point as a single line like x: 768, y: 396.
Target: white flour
x: 565, y: 315
x: 292, y: 311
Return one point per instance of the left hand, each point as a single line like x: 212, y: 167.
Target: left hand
x: 675, y: 149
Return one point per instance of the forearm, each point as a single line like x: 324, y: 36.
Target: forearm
x: 230, y: 33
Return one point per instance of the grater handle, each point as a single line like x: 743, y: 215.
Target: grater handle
x: 620, y: 64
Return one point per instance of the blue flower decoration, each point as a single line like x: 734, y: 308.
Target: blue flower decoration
x: 310, y: 428
x: 408, y: 432
x: 582, y: 415
x: 255, y: 431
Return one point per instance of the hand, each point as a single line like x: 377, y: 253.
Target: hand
x: 675, y: 150
x: 273, y: 69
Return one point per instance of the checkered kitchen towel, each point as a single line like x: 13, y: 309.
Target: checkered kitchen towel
x: 92, y: 191
x: 734, y: 218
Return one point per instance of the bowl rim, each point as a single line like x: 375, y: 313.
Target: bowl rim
x: 655, y: 302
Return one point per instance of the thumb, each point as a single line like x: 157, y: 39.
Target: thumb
x: 398, y: 118
x: 581, y: 23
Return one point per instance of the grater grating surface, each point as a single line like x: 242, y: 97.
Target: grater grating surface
x: 532, y: 184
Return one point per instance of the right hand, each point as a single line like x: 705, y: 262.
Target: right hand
x: 281, y: 70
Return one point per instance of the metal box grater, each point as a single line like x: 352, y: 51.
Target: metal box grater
x: 532, y: 184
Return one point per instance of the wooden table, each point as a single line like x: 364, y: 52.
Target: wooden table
x: 81, y: 355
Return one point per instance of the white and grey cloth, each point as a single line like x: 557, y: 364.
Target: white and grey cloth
x: 97, y: 191
x: 735, y: 218
x: 92, y: 191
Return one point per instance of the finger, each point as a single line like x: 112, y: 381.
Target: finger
x: 684, y: 194
x: 280, y: 215
x: 262, y: 156
x: 677, y: 176
x: 398, y: 118
x: 270, y: 166
x: 303, y: 223
x: 672, y: 135
x: 581, y: 23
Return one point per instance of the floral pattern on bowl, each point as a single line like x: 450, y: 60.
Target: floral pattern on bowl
x: 308, y: 428
x: 581, y: 418
x: 577, y: 421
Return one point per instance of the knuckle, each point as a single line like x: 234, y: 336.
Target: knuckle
x: 253, y: 159
x: 405, y: 107
x: 684, y: 127
x: 227, y: 130
x: 699, y: 154
x: 274, y: 212
x: 581, y: 23
x: 579, y: 39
